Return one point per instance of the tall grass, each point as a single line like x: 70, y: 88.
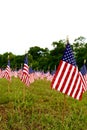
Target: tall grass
x: 38, y: 107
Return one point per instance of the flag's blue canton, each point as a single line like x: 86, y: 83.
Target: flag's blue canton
x: 9, y: 63
x: 26, y: 60
x: 31, y: 70
x: 69, y: 56
x: 83, y: 69
x: 53, y: 72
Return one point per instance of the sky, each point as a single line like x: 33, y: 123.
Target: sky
x: 29, y: 23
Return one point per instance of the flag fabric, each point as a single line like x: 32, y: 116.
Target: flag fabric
x: 31, y: 70
x: 1, y: 73
x: 67, y: 78
x: 25, y: 73
x: 7, y: 72
x: 83, y: 71
x: 20, y: 73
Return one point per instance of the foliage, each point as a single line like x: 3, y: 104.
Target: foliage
x: 39, y: 108
x: 80, y: 50
x: 45, y: 59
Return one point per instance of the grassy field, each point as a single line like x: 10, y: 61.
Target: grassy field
x: 39, y: 107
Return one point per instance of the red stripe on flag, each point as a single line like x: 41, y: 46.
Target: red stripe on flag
x: 67, y: 80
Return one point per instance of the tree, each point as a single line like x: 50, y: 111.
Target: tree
x: 39, y: 57
x: 36, y: 52
x: 80, y: 50
x: 43, y: 59
x: 56, y: 53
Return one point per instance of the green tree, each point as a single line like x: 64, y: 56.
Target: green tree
x: 80, y: 50
x: 39, y: 58
x: 57, y: 53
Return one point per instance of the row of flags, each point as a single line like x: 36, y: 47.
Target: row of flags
x: 25, y: 75
x: 67, y: 78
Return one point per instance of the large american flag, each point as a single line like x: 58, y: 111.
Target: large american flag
x: 67, y: 78
x: 25, y: 74
x: 7, y: 72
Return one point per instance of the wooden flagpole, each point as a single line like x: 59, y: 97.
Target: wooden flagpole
x: 63, y: 112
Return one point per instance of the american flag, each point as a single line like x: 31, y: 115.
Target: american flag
x: 67, y: 78
x: 7, y: 72
x: 83, y: 71
x: 25, y: 74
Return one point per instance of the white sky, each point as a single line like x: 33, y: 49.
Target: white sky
x: 28, y: 23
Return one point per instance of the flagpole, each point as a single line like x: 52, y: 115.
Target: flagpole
x: 63, y: 112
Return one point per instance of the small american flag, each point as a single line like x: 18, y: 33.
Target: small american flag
x: 83, y: 71
x: 67, y: 78
x: 25, y: 74
x: 7, y: 72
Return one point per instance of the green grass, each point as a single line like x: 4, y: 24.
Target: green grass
x: 38, y: 107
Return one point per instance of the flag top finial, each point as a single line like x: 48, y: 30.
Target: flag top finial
x: 84, y: 61
x: 67, y: 39
x: 8, y: 57
x: 25, y: 51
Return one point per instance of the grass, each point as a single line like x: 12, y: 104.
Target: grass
x: 39, y: 107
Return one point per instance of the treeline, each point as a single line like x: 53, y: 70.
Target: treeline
x: 45, y: 59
